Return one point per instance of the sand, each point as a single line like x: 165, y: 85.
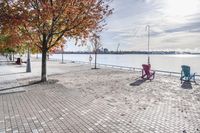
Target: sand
x: 120, y: 88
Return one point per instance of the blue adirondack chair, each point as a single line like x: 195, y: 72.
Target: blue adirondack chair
x: 186, y: 75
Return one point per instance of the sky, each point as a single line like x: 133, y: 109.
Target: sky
x: 174, y: 25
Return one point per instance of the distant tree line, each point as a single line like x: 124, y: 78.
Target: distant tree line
x: 105, y: 51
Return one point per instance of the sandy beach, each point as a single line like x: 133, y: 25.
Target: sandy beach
x: 80, y: 99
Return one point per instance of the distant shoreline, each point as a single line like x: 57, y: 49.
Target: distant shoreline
x: 122, y: 53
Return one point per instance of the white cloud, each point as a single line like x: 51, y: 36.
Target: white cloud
x: 174, y: 25
x: 169, y: 29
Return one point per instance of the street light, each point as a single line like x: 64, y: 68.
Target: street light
x: 148, y: 29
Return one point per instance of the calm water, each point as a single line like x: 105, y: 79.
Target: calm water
x: 158, y: 62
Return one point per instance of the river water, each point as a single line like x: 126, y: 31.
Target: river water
x: 170, y: 63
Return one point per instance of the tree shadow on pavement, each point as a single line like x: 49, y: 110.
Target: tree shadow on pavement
x: 138, y: 82
x: 25, y: 85
x: 50, y: 81
x: 11, y: 73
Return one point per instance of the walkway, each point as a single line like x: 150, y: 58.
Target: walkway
x: 8, y: 80
x: 80, y: 100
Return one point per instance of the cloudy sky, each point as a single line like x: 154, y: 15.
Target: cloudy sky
x: 174, y: 25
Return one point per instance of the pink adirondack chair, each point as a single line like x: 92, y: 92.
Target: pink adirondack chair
x: 147, y: 72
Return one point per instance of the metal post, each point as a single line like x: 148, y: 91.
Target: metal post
x: 62, y: 56
x: 148, y: 28
x: 62, y: 48
x: 90, y: 59
x: 28, y: 66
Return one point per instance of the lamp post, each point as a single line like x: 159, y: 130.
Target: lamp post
x: 62, y: 48
x: 28, y: 66
x: 148, y: 29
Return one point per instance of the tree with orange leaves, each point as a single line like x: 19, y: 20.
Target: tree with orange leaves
x: 48, y: 23
x: 7, y: 44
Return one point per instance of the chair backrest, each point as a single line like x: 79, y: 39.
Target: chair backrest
x: 146, y: 68
x: 186, y: 70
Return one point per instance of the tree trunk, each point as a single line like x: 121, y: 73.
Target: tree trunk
x: 95, y: 64
x: 28, y: 63
x: 44, y: 65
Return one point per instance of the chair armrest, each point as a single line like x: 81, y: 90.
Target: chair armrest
x: 182, y: 76
x: 142, y: 71
x: 152, y: 71
x: 182, y: 73
x: 194, y: 74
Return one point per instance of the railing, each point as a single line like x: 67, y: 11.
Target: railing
x: 122, y: 67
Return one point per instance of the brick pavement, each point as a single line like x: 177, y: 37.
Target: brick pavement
x: 8, y: 80
x: 55, y: 107
x: 51, y: 111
